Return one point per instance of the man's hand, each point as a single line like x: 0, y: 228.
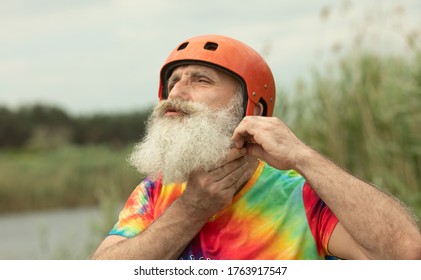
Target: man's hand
x: 269, y: 139
x: 210, y: 192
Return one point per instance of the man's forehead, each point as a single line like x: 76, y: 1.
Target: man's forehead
x: 196, y: 68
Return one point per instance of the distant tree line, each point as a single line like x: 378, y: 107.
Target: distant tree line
x: 44, y: 126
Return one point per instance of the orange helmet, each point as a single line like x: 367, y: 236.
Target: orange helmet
x: 229, y: 55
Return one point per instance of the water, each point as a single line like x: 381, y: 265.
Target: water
x: 58, y: 234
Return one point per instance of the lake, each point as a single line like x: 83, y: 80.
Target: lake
x: 53, y: 234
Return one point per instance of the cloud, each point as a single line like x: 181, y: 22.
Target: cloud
x: 105, y: 55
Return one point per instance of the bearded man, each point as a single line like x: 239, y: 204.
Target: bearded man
x: 225, y: 180
x: 183, y: 135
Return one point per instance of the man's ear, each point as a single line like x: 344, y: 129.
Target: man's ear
x: 258, y: 109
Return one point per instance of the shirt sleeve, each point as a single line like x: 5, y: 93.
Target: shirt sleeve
x: 137, y: 213
x: 320, y: 218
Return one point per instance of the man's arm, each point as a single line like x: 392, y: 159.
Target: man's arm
x: 371, y: 224
x: 206, y: 194
x: 378, y: 224
x: 165, y: 238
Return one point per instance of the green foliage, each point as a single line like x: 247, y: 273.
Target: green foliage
x: 44, y: 127
x: 115, y: 130
x: 366, y: 116
x: 67, y: 176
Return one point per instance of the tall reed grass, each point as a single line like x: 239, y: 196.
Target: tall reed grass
x: 66, y: 176
x: 365, y: 114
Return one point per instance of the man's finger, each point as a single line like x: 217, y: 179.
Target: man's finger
x: 236, y: 178
x: 221, y: 172
x: 235, y: 153
x: 255, y: 150
x: 244, y: 132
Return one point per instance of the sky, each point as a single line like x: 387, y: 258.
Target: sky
x: 104, y: 56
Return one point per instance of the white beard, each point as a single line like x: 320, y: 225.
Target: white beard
x: 175, y: 146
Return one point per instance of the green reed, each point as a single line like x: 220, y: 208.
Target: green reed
x: 365, y: 114
x: 65, y: 176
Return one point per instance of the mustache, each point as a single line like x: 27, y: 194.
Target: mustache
x: 178, y: 105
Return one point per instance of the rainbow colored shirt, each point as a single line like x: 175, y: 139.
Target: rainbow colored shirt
x: 275, y: 216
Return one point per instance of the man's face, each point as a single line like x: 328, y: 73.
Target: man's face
x: 202, y: 84
x: 193, y: 127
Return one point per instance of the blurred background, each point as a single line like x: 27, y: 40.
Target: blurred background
x: 78, y: 79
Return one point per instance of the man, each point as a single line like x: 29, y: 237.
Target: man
x: 224, y: 186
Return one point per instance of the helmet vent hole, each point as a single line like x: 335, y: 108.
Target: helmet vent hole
x: 182, y: 46
x: 211, y: 46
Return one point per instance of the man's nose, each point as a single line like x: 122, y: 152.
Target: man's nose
x: 180, y: 89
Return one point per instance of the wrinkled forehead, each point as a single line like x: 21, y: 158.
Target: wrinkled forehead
x: 192, y: 69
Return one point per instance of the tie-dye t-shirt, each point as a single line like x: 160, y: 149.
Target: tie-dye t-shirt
x: 275, y: 216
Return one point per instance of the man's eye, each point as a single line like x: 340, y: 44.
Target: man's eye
x: 170, y: 86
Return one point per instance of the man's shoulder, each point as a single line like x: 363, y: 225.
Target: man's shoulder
x: 287, y: 175
x: 149, y: 182
x: 148, y: 185
x: 159, y: 186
